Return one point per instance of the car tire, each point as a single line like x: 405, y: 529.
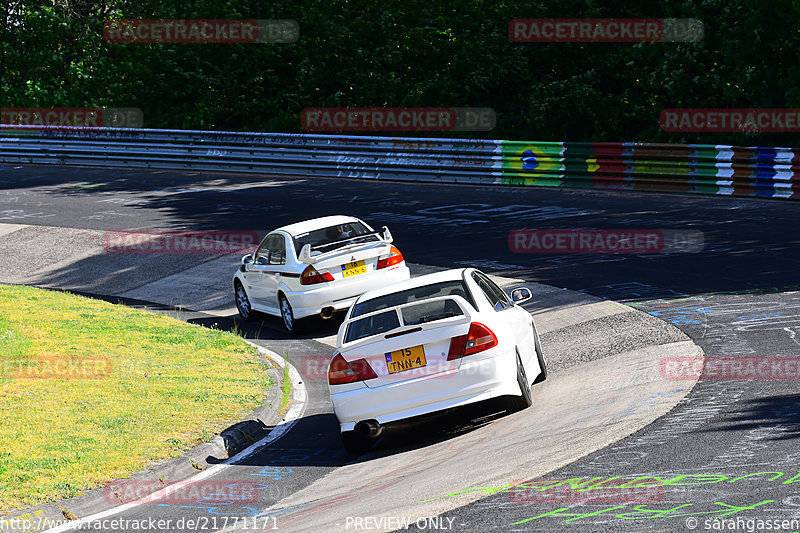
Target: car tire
x: 243, y: 304
x: 540, y: 356
x: 518, y: 403
x: 290, y: 323
x: 356, y: 443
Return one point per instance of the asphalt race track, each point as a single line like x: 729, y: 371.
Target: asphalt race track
x: 624, y: 446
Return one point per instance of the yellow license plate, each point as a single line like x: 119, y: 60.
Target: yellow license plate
x: 405, y: 359
x: 353, y: 269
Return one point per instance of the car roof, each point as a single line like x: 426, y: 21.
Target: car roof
x: 316, y: 223
x: 455, y: 274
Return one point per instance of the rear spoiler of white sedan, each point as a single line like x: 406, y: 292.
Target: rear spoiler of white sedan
x: 384, y: 238
x: 431, y: 313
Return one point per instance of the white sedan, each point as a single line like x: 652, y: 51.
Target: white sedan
x: 428, y: 344
x: 316, y: 267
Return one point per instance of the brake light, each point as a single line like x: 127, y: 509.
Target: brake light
x: 479, y: 339
x: 311, y: 276
x: 393, y: 258
x: 340, y: 371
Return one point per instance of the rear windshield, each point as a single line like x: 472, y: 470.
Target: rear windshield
x: 372, y: 325
x: 429, y: 311
x: 444, y: 288
x: 327, y: 239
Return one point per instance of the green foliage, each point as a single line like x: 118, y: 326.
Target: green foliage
x: 409, y: 53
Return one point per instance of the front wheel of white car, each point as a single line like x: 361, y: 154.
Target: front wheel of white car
x: 242, y: 301
x: 287, y: 315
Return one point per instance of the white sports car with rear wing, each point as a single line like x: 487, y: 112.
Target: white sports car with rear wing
x: 316, y: 267
x: 428, y: 344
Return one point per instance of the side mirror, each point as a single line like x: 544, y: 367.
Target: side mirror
x: 247, y: 259
x: 305, y: 254
x: 520, y: 295
x: 387, y: 235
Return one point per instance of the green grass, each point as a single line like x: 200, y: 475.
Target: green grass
x: 158, y: 387
x: 286, y: 387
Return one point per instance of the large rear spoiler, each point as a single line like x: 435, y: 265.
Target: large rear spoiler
x: 384, y: 238
x: 403, y: 328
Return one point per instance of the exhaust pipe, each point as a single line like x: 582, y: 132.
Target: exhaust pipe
x: 369, y: 428
x: 326, y: 313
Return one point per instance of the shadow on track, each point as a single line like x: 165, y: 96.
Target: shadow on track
x: 780, y: 412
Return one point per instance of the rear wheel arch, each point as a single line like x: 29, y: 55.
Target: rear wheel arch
x: 540, y: 357
x: 524, y: 400
x: 526, y: 367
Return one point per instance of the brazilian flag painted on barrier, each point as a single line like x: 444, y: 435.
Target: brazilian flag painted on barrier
x: 580, y: 164
x: 532, y: 163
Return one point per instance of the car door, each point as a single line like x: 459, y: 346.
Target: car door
x: 276, y: 246
x: 262, y: 278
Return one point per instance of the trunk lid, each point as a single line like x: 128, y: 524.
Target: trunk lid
x: 350, y: 262
x: 408, y: 341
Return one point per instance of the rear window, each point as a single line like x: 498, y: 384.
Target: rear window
x: 327, y: 239
x: 372, y: 325
x: 444, y: 288
x: 429, y: 311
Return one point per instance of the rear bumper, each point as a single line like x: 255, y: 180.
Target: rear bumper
x: 341, y: 294
x: 473, y: 381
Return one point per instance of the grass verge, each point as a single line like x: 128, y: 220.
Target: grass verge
x: 286, y: 386
x: 92, y: 391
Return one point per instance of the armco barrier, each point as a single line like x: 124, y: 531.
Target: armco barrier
x: 702, y: 169
x: 677, y: 168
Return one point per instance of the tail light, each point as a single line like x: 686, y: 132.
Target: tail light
x: 341, y: 371
x: 478, y: 339
x: 311, y: 276
x: 393, y: 258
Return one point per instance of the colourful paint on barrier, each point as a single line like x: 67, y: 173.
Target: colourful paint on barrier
x: 765, y: 172
x: 531, y: 163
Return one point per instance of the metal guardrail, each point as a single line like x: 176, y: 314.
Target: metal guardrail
x: 677, y: 168
x: 703, y: 169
